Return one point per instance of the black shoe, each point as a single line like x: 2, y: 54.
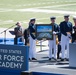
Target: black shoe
x: 62, y: 59
x: 57, y: 57
x: 67, y: 59
x: 49, y: 58
x: 34, y: 59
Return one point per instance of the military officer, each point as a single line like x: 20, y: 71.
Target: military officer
x: 66, y: 30
x: 32, y: 40
x: 52, y: 43
x: 74, y: 31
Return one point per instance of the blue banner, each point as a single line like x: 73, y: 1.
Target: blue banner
x: 13, y: 58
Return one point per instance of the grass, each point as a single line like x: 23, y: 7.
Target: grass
x: 9, y: 14
x: 65, y: 8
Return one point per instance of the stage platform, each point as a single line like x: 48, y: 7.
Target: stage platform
x: 43, y: 65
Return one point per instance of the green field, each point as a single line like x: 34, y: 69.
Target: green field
x: 12, y: 11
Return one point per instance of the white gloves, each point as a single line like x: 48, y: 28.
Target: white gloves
x: 69, y: 35
x: 59, y: 42
x: 54, y: 32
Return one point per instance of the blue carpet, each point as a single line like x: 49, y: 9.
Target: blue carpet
x: 40, y: 73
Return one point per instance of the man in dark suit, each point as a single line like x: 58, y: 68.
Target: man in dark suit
x: 59, y: 45
x: 74, y: 31
x: 66, y: 30
x: 18, y: 33
x: 26, y: 36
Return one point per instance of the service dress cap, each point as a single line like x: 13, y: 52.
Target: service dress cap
x: 53, y: 17
x: 66, y: 15
x: 32, y: 19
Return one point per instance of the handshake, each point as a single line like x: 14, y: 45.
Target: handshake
x: 69, y: 35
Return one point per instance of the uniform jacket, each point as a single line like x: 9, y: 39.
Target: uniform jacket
x: 32, y: 30
x: 74, y: 34
x: 65, y: 27
x: 57, y: 30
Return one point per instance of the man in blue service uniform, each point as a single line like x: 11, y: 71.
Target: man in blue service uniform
x: 32, y: 40
x: 52, y: 43
x: 66, y: 30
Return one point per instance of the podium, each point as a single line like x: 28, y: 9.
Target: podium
x: 72, y: 55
